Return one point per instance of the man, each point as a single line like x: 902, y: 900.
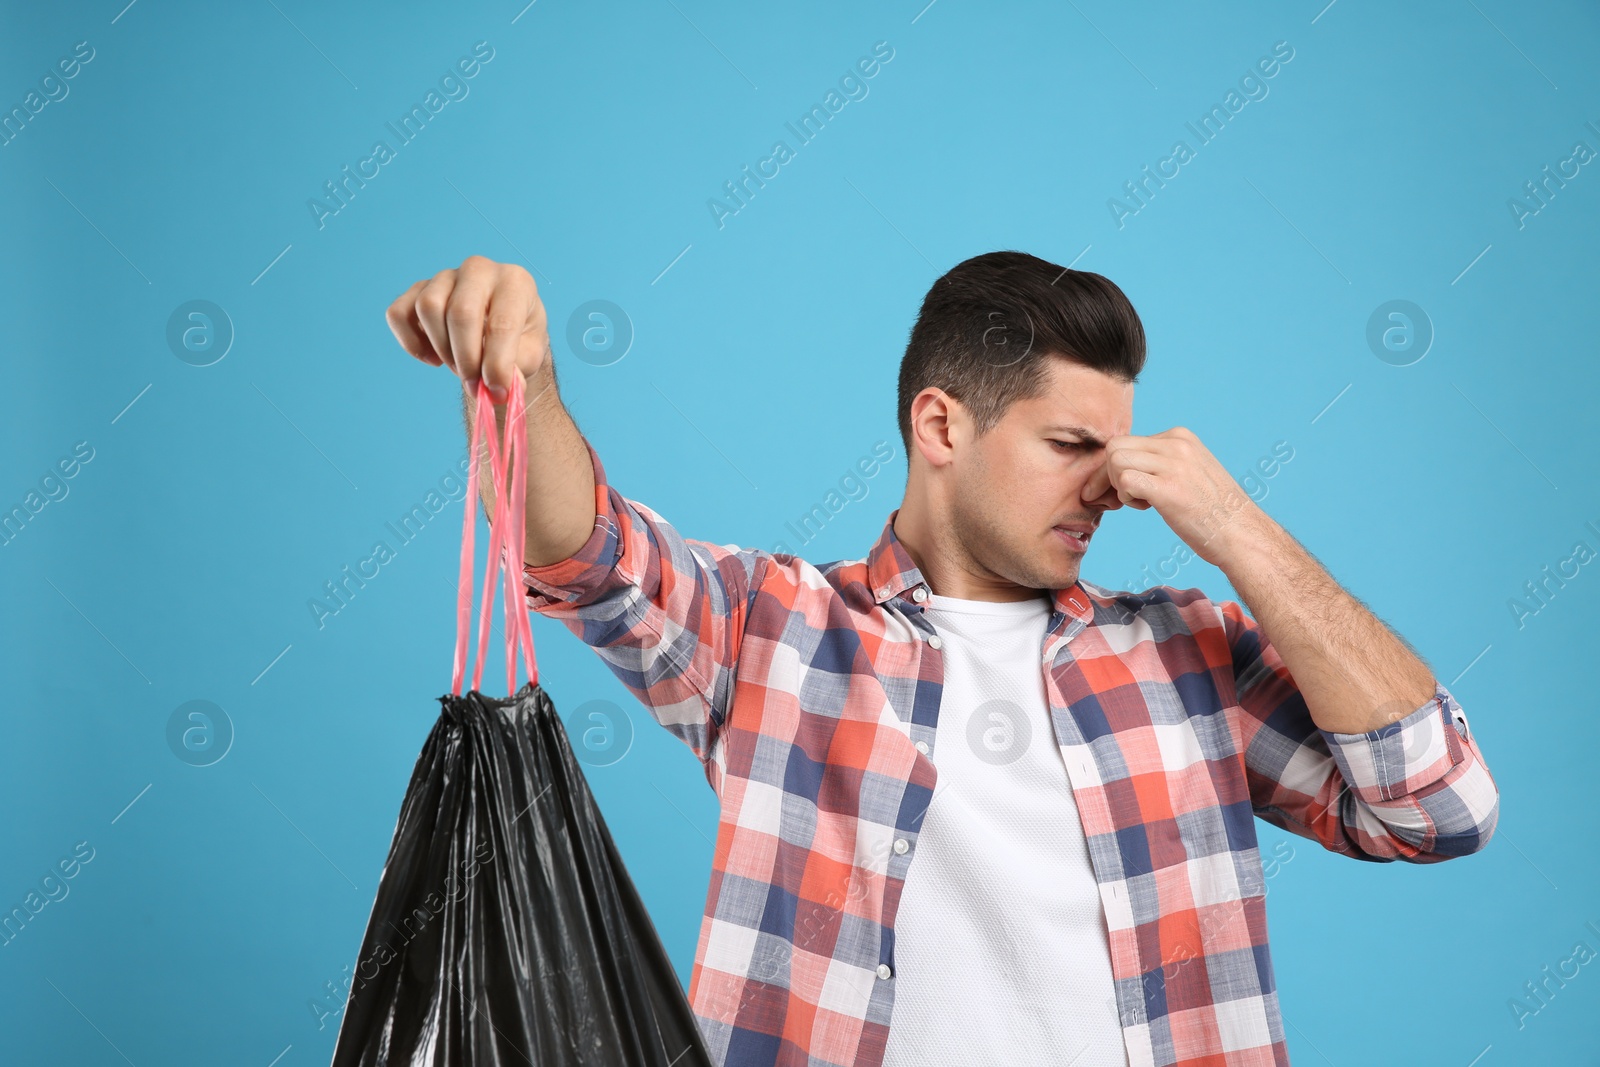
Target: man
x: 975, y: 809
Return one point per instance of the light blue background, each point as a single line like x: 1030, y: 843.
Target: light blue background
x: 180, y: 564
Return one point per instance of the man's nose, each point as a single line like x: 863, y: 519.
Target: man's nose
x: 1098, y: 492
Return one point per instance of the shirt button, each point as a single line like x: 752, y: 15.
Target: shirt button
x: 935, y: 641
x: 883, y: 591
x: 901, y: 845
x: 919, y: 594
x: 883, y: 970
x: 922, y: 747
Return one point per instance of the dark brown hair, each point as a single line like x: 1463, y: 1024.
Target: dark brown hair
x: 989, y: 324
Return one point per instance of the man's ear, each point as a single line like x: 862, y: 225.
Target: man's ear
x: 933, y: 413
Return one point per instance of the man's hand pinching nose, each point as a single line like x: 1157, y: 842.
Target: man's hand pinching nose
x: 1190, y: 489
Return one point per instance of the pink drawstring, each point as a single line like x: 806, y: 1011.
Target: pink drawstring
x: 508, y: 467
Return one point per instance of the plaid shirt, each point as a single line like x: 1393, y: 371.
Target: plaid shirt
x: 810, y: 694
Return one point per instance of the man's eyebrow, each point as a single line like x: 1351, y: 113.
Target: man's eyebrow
x: 1088, y: 435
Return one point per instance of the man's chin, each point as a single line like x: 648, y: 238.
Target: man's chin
x: 1058, y: 577
x: 1066, y: 562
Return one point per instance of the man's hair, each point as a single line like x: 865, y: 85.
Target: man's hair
x: 988, y: 326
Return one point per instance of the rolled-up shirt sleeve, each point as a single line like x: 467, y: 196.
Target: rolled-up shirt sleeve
x: 1415, y: 789
x: 600, y: 566
x: 1421, y: 781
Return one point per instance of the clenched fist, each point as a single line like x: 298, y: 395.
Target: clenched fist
x: 482, y: 319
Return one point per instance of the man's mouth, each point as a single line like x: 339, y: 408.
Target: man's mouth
x: 1076, y: 535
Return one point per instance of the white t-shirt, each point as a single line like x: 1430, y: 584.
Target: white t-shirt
x: 1001, y: 951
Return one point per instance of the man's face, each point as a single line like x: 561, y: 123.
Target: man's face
x: 1018, y: 484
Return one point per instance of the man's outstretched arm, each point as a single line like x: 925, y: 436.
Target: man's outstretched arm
x: 666, y: 613
x: 485, y: 319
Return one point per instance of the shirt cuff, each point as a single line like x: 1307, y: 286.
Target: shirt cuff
x: 1401, y: 757
x: 599, y: 565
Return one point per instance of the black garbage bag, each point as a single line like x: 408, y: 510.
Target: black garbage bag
x: 506, y: 929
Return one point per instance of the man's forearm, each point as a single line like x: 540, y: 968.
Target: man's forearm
x: 1353, y: 671
x: 560, y: 489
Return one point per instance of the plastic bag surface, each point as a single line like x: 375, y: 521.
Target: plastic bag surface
x: 506, y: 929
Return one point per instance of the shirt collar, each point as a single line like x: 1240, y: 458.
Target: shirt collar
x: 891, y: 572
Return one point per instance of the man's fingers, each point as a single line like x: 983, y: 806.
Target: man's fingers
x: 1138, y: 459
x: 483, y: 320
x: 474, y: 283
x: 402, y: 320
x: 1118, y: 460
x: 432, y: 302
x: 509, y: 307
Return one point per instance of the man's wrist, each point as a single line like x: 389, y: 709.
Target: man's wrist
x: 1251, y: 539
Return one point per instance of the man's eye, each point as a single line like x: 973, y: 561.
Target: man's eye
x: 1069, y: 444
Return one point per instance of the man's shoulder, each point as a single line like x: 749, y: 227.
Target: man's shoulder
x: 837, y: 577
x: 1163, y: 608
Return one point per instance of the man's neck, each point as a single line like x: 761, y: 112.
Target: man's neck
x: 943, y: 560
